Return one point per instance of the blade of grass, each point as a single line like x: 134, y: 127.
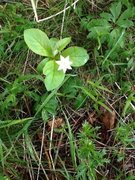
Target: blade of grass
x: 87, y: 92
x: 71, y: 142
x: 8, y: 123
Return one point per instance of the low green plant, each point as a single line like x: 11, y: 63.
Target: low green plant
x: 14, y: 93
x: 110, y: 31
x: 93, y: 92
x: 125, y: 134
x: 69, y: 92
x: 77, y: 152
x: 58, y: 59
x: 12, y: 25
x: 89, y: 158
x: 110, y: 26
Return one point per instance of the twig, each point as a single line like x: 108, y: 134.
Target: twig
x: 37, y: 158
x: 28, y: 160
x: 63, y: 19
x: 59, y: 144
x: 94, y: 5
x: 25, y: 64
x: 54, y: 15
x: 34, y: 9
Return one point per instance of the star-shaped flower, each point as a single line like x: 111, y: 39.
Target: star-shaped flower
x: 64, y: 63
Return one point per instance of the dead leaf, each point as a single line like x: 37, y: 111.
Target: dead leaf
x: 108, y: 119
x: 133, y: 116
x: 57, y: 123
x: 133, y: 88
x: 92, y: 117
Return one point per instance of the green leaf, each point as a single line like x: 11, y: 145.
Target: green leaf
x: 41, y: 65
x: 38, y: 42
x: 80, y: 100
x: 128, y: 13
x: 114, y: 36
x: 69, y: 90
x: 47, y: 99
x: 53, y: 42
x: 53, y: 77
x: 106, y: 16
x: 51, y: 106
x: 125, y: 23
x: 78, y: 56
x: 61, y: 44
x: 116, y: 10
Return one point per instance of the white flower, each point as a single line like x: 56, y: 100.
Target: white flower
x: 64, y: 63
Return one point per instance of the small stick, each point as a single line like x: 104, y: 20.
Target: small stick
x: 63, y: 19
x: 54, y: 15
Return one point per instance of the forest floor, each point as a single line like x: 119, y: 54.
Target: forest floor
x: 86, y: 128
